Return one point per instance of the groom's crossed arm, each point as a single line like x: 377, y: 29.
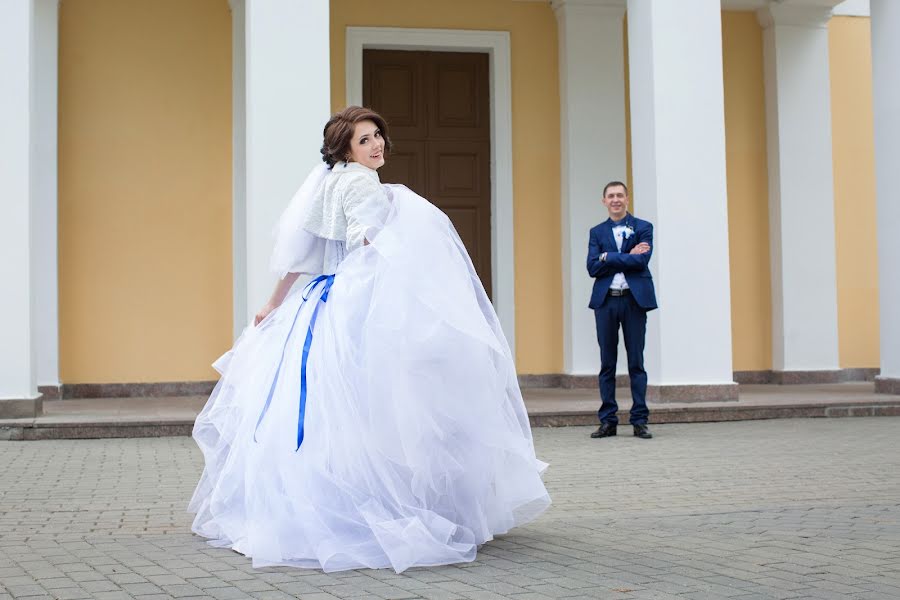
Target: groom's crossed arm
x: 619, y: 262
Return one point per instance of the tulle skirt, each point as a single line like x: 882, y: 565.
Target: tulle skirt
x: 416, y: 446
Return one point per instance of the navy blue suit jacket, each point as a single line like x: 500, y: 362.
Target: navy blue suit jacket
x: 634, y: 266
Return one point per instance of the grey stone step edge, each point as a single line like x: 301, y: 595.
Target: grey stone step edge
x: 25, y: 430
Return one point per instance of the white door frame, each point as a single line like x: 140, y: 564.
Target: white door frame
x: 496, y: 45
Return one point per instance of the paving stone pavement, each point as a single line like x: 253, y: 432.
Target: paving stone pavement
x: 738, y: 510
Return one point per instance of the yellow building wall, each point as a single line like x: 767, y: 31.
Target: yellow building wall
x: 849, y: 48
x: 144, y: 189
x: 536, y: 145
x: 748, y: 194
x: 145, y: 181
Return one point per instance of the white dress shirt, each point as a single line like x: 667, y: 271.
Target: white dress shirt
x: 618, y: 282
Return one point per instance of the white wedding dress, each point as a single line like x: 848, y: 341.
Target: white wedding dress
x: 416, y: 446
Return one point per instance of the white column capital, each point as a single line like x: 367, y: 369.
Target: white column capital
x: 807, y: 14
x: 608, y: 8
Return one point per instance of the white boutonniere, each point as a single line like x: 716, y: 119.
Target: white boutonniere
x: 628, y: 232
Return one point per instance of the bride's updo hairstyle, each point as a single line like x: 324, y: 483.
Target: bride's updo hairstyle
x: 339, y: 132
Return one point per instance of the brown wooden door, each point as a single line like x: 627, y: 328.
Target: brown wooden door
x: 437, y: 106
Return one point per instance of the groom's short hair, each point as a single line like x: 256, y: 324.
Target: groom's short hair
x: 614, y: 184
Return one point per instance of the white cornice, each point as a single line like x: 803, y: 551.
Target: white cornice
x: 806, y: 14
x: 856, y: 8
x: 853, y: 8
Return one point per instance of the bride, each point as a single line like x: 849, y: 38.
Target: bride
x: 372, y: 418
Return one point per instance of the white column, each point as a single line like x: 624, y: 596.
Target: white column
x: 678, y: 158
x: 44, y: 193
x: 239, y: 307
x: 18, y: 374
x: 279, y: 116
x: 801, y: 190
x: 592, y: 99
x: 885, y: 25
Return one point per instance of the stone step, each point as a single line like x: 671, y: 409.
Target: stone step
x: 553, y: 407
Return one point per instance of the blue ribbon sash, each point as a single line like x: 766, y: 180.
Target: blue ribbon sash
x: 307, y: 344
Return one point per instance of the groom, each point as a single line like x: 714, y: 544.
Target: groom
x: 618, y: 254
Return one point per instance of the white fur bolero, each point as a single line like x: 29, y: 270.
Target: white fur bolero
x: 352, y: 200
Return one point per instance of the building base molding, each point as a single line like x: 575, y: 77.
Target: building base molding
x: 887, y: 385
x: 800, y: 377
x: 757, y: 377
x: 768, y: 377
x: 163, y: 389
x: 25, y: 408
x: 566, y: 382
x: 665, y: 393
x: 656, y: 393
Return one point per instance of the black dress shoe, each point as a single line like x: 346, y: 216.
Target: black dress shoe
x: 605, y: 430
x: 642, y: 432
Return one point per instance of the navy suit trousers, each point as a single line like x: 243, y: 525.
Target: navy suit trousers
x: 622, y: 311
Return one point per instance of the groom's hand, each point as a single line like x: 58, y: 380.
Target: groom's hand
x: 641, y: 248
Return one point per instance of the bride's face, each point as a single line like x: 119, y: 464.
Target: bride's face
x: 367, y: 145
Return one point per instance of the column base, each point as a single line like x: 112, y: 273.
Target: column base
x: 50, y: 392
x: 28, y: 408
x: 568, y: 382
x: 719, y: 392
x: 887, y: 385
